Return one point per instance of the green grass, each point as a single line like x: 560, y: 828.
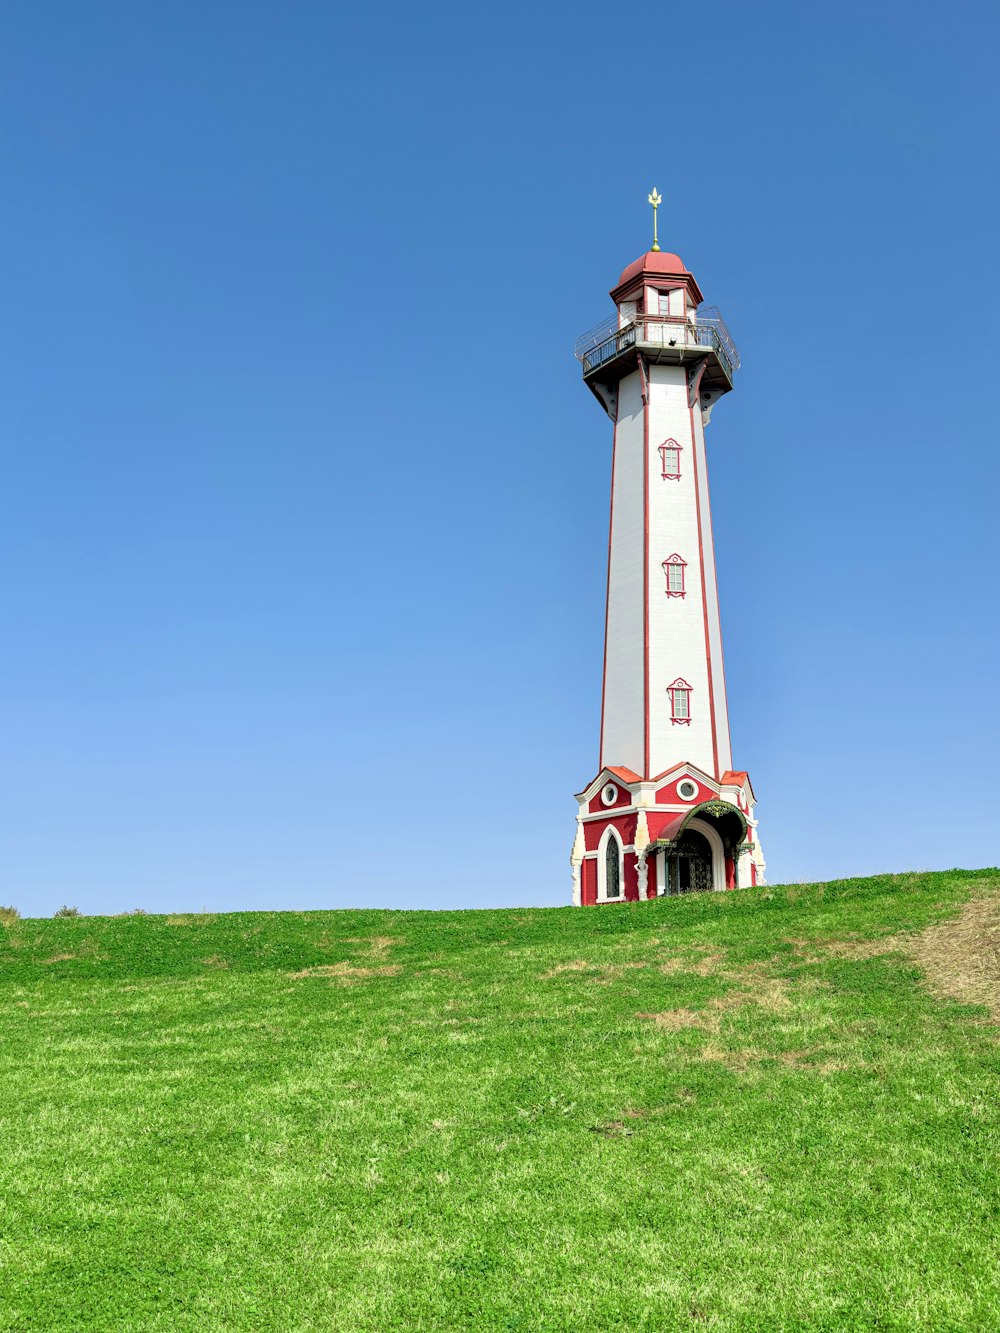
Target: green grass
x: 466, y: 1133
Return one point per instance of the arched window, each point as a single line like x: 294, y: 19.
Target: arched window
x: 680, y: 702
x: 673, y: 568
x: 670, y: 458
x: 612, y: 868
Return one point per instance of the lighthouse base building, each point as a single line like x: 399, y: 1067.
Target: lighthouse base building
x: 667, y: 812
x: 681, y: 832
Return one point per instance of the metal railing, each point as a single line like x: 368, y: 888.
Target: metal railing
x: 655, y: 330
x: 608, y: 339
x: 595, y: 336
x: 711, y: 314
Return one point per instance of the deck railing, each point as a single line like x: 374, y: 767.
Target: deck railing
x: 607, y: 340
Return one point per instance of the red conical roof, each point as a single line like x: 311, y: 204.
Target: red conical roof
x: 657, y: 264
x: 655, y: 261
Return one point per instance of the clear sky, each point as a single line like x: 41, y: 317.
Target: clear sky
x: 304, y: 504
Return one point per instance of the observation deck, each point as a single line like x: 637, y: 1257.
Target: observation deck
x: 607, y: 352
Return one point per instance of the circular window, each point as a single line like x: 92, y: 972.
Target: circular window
x: 610, y: 794
x: 687, y: 790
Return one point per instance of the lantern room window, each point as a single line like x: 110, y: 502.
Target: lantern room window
x: 673, y: 569
x: 670, y: 458
x: 680, y: 702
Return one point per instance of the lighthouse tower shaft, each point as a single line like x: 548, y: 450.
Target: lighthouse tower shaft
x: 664, y: 693
x: 666, y: 813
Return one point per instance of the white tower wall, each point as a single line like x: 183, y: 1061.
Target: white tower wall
x: 624, y: 699
x: 652, y: 639
x: 684, y: 632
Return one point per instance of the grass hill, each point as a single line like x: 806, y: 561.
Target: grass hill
x: 770, y: 1109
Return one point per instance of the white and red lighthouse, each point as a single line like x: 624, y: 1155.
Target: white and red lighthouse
x: 666, y: 812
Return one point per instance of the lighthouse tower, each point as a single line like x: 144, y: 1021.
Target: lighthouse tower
x: 666, y: 812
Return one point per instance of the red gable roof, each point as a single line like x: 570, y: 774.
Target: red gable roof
x: 625, y: 774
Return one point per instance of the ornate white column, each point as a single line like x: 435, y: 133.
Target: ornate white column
x: 576, y: 860
x: 641, y: 843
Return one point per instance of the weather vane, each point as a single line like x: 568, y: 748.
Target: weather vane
x: 656, y: 201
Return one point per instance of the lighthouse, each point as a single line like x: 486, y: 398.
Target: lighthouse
x: 666, y: 812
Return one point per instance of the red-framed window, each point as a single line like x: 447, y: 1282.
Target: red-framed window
x: 670, y: 459
x: 680, y: 702
x: 674, y: 571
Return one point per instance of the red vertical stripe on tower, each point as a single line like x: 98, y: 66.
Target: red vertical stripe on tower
x: 645, y: 573
x: 704, y: 595
x: 607, y: 596
x: 722, y: 651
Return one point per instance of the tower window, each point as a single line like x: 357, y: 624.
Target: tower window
x: 664, y: 303
x: 680, y: 702
x: 673, y: 568
x: 670, y: 458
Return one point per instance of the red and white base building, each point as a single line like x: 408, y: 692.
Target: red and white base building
x: 666, y: 812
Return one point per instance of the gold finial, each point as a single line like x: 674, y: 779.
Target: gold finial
x: 656, y: 201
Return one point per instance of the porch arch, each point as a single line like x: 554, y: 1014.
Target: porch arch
x: 722, y: 825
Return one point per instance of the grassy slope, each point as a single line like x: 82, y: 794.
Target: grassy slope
x: 470, y: 1134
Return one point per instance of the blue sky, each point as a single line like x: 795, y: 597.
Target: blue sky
x: 304, y: 505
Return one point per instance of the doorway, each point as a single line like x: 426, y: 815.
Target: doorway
x: 689, y: 864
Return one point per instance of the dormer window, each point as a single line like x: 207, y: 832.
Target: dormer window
x: 670, y: 458
x: 673, y: 568
x: 680, y: 702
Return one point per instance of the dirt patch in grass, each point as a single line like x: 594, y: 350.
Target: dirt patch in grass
x: 347, y: 973
x: 377, y: 944
x: 621, y: 1128
x: 741, y: 1059
x: 960, y: 958
x: 577, y: 965
x: 675, y: 1020
x: 706, y: 963
x: 770, y: 993
x: 753, y: 986
x: 88, y: 950
x: 602, y: 973
x: 215, y: 960
x: 861, y: 950
x: 614, y: 1129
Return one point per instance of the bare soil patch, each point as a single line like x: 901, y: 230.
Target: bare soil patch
x: 706, y: 963
x: 767, y: 992
x: 602, y: 973
x: 347, y: 973
x: 377, y: 944
x: 960, y: 958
